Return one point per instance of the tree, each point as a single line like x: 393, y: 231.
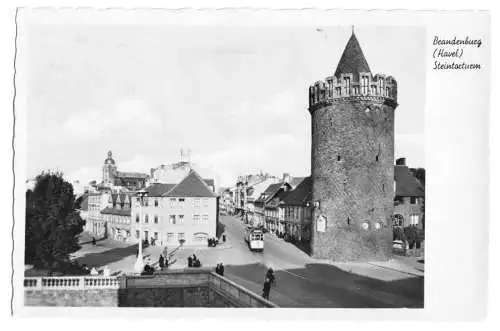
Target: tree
x: 52, y: 222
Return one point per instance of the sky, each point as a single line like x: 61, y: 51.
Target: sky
x: 235, y: 96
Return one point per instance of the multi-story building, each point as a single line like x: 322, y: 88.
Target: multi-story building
x: 298, y: 211
x: 267, y: 206
x: 409, y: 199
x: 117, y: 216
x: 187, y: 210
x: 94, y: 222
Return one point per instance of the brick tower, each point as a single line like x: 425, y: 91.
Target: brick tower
x: 352, y: 160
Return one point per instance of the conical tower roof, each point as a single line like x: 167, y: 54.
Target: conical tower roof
x: 352, y: 61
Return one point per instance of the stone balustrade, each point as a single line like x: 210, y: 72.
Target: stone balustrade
x: 71, y: 283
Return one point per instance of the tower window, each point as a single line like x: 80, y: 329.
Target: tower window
x: 364, y: 85
x: 347, y: 85
x: 376, y: 158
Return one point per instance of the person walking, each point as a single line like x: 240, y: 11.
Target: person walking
x: 161, y: 262
x: 93, y: 241
x: 267, y: 283
x: 221, y: 269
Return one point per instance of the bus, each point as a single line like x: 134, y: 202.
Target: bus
x: 255, y: 239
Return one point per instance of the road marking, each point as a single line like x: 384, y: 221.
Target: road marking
x: 294, y: 274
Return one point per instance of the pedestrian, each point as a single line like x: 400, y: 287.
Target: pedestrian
x: 266, y: 289
x: 94, y: 272
x: 190, y: 261
x: 217, y: 269
x: 161, y: 262
x: 221, y: 269
x: 93, y: 241
x: 106, y: 272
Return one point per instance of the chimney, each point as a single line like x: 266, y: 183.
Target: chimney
x: 401, y: 161
x: 286, y: 177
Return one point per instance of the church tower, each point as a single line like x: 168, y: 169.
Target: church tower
x: 109, y: 170
x: 352, y: 160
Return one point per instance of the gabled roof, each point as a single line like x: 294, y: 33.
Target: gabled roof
x: 353, y: 60
x: 114, y: 211
x: 158, y: 190
x: 191, y: 186
x: 296, y: 181
x: 270, y: 192
x: 301, y: 194
x: 209, y: 181
x: 407, y: 185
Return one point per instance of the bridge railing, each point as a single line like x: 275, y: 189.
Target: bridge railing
x: 71, y: 283
x: 241, y: 294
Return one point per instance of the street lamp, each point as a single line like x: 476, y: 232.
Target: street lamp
x: 139, y: 264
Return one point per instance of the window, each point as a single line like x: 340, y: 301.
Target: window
x: 146, y: 220
x: 137, y: 234
x: 172, y: 202
x: 197, y: 202
x: 364, y: 85
x: 347, y: 85
x: 156, y: 235
x: 181, y: 236
x: 156, y: 202
x: 397, y: 220
x: 196, y: 219
x: 170, y: 238
x: 156, y: 219
x: 204, y: 219
x: 181, y: 202
x: 137, y: 218
x: 181, y: 219
x: 205, y: 202
x: 413, y: 200
x: 387, y: 92
x: 146, y: 203
x: 172, y: 219
x: 146, y: 233
x: 414, y: 219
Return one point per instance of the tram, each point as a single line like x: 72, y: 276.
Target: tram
x: 255, y: 239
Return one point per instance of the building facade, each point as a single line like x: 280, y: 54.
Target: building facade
x: 352, y: 155
x: 268, y: 207
x: 185, y: 211
x: 95, y: 224
x: 112, y: 177
x: 409, y: 199
x: 297, y: 206
x: 117, y: 216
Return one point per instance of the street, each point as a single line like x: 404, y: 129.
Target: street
x: 301, y: 281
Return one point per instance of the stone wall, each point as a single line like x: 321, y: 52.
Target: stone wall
x: 72, y: 298
x: 352, y: 174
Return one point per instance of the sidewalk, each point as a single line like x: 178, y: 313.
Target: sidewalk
x: 406, y: 265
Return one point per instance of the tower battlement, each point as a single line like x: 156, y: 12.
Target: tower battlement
x: 360, y: 87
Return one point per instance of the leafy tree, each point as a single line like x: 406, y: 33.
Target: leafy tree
x: 52, y: 223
